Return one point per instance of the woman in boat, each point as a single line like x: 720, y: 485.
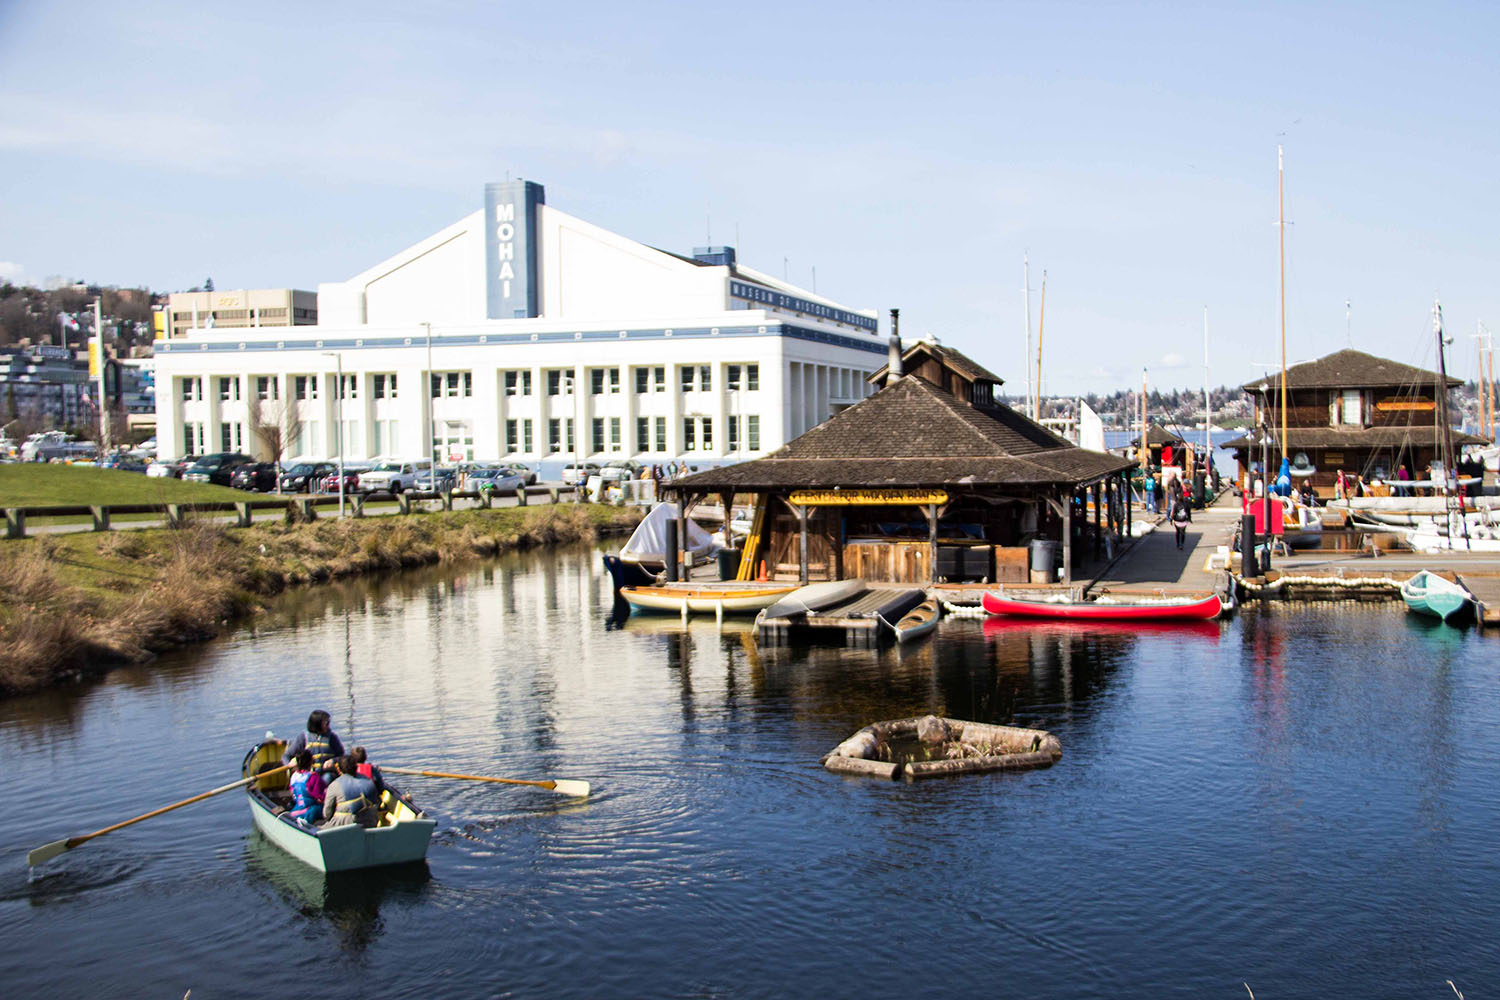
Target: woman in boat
x: 351, y: 798
x: 307, y: 791
x: 320, y: 740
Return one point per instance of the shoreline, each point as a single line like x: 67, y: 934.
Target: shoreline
x: 78, y: 605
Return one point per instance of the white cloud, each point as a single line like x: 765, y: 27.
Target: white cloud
x: 12, y: 272
x: 1172, y: 360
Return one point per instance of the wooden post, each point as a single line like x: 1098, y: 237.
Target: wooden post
x: 551, y: 492
x: 932, y: 525
x: 1067, y: 539
x: 358, y: 500
x: 174, y: 515
x: 447, y: 497
x: 802, y: 557
x: 521, y: 496
x: 15, y: 523
x: 244, y: 516
x: 1098, y: 502
x: 309, y: 512
x: 1129, y: 514
x: 101, y: 517
x: 403, y: 502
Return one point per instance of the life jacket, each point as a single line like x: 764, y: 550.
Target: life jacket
x: 366, y: 771
x: 320, y: 747
x: 302, y: 797
x: 365, y: 798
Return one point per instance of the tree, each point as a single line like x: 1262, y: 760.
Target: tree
x: 276, y: 426
x: 208, y: 284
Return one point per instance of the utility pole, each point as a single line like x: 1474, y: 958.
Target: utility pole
x: 96, y: 369
x: 431, y: 407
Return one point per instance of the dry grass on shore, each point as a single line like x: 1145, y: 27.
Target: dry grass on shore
x: 77, y: 604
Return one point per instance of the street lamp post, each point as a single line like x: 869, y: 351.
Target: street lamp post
x: 339, y: 403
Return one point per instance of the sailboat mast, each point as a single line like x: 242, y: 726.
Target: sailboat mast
x: 1026, y: 358
x: 1145, y: 448
x: 1442, y: 395
x: 1281, y: 228
x: 1207, y: 406
x: 1041, y: 331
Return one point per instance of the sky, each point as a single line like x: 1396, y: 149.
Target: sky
x: 912, y: 155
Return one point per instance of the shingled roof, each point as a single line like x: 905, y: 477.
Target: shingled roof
x: 947, y: 356
x: 1357, y: 437
x: 1349, y: 369
x: 1157, y: 435
x: 913, y: 434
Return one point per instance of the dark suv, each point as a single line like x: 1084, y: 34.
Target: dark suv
x: 216, y: 468
x: 259, y: 477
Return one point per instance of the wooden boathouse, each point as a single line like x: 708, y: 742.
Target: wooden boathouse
x: 1349, y: 411
x: 930, y: 479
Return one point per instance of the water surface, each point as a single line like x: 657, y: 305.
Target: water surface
x: 1302, y: 799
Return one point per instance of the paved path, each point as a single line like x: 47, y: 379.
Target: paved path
x: 1155, y: 561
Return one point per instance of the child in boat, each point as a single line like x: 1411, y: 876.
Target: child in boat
x: 366, y: 769
x: 307, y: 790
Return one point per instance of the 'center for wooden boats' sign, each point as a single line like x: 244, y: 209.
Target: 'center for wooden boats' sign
x: 866, y: 498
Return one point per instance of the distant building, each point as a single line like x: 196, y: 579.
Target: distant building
x: 1349, y: 411
x: 523, y: 333
x: 45, y: 384
x: 231, y: 310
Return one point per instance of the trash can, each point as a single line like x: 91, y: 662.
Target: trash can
x: 1043, y: 559
x: 729, y: 564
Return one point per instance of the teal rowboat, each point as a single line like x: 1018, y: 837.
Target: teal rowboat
x: 1429, y: 594
x: 401, y: 837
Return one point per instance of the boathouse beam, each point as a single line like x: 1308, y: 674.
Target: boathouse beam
x: 1067, y: 543
x: 931, y: 510
x: 802, y: 515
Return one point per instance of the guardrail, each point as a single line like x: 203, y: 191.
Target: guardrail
x: 303, y: 507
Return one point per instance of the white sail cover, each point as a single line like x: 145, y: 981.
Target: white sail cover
x: 649, y: 542
x: 1090, y: 428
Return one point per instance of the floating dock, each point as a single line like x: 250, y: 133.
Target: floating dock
x: 863, y: 619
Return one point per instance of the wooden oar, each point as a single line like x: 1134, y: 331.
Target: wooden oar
x: 562, y: 786
x: 48, y: 851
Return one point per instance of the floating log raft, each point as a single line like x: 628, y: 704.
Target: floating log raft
x: 929, y: 747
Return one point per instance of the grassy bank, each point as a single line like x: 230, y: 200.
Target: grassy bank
x: 80, y: 603
x: 28, y: 484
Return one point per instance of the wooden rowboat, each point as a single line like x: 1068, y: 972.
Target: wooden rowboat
x: 401, y: 837
x: 918, y: 621
x: 1108, y: 609
x: 741, y: 599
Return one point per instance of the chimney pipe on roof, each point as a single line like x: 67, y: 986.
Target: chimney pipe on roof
x: 893, y: 366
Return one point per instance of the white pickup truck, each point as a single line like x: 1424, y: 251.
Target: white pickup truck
x: 393, y: 476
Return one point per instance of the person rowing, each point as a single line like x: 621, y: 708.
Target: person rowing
x: 352, y: 798
x: 320, y: 740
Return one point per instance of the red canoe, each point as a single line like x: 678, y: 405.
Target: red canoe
x: 1147, y: 609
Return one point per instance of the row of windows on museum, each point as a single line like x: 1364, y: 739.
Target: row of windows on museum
x: 650, y: 434
x: 383, y: 385
x: 605, y: 436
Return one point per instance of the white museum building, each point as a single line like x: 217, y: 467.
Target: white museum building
x: 521, y: 333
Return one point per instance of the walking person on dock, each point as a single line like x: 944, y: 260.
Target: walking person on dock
x: 1181, y: 515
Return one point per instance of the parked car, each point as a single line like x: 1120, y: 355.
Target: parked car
x: 393, y: 476
x: 572, y: 473
x: 259, y: 477
x: 524, y: 471
x: 216, y: 468
x: 351, y: 478
x: 447, y: 479
x: 620, y: 468
x: 304, y: 476
x: 168, y: 468
x: 123, y: 462
x: 493, y: 480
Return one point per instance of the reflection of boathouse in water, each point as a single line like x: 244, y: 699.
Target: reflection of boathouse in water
x: 1352, y: 411
x: 931, y: 478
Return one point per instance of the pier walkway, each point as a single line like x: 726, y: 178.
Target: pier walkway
x: 1153, y: 560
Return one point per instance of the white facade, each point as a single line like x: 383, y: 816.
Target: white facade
x: 611, y: 349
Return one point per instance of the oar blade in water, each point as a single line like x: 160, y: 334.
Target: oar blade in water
x: 46, y: 852
x: 571, y: 786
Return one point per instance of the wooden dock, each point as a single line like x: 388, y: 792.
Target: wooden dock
x: 863, y: 619
x: 1486, y: 591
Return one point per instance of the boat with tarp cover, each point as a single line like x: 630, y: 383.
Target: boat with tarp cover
x: 1107, y: 608
x: 402, y: 835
